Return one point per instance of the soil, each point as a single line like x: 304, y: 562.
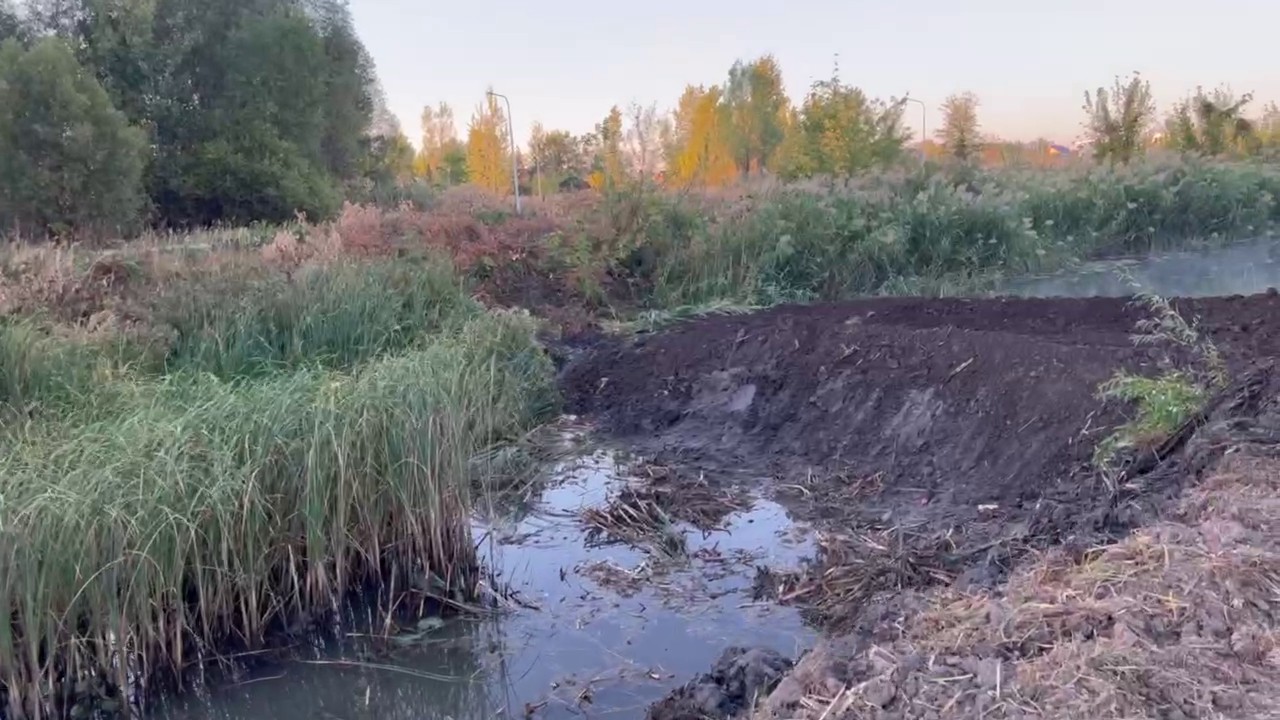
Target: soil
x: 943, y: 446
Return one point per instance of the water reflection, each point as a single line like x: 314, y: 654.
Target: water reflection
x: 584, y: 643
x: 1239, y: 269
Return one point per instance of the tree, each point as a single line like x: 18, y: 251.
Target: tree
x: 1116, y: 121
x: 439, y: 136
x: 254, y: 108
x: 840, y: 131
x: 607, y: 168
x: 559, y: 155
x: 1211, y: 123
x: 1269, y: 127
x: 488, y: 163
x: 643, y: 139
x: 757, y: 105
x: 700, y: 152
x: 69, y: 160
x: 960, y: 130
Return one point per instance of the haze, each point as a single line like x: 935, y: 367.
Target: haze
x: 564, y: 64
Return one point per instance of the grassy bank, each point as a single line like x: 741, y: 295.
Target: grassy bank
x: 925, y: 232
x: 239, y: 446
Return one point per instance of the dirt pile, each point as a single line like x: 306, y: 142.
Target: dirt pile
x: 1179, y: 620
x: 944, y: 451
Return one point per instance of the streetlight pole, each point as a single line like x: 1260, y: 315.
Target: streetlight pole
x: 924, y: 119
x: 511, y: 136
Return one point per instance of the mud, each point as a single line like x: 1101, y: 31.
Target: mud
x: 939, y: 445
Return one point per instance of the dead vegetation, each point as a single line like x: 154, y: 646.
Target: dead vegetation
x: 1179, y: 620
x: 647, y: 513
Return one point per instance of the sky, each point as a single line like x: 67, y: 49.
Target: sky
x: 565, y: 63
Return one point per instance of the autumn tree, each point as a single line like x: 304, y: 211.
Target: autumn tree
x: 439, y: 139
x: 608, y: 169
x: 1211, y: 123
x: 960, y: 130
x: 1116, y: 120
x: 700, y: 150
x: 756, y: 103
x: 839, y: 131
x: 488, y: 162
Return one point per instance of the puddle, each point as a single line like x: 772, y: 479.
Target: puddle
x: 1239, y: 269
x: 582, y: 648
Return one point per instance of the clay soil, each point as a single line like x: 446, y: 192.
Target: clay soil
x: 944, y: 449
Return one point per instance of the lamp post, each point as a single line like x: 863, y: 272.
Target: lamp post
x: 511, y: 136
x: 924, y: 118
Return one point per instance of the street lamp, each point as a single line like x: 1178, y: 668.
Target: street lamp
x: 924, y: 118
x: 511, y: 136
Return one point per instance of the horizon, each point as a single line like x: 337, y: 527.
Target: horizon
x: 1029, y: 67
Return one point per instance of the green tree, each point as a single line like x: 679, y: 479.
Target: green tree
x: 960, y: 129
x: 1117, y: 120
x: 69, y: 160
x: 254, y: 108
x: 840, y: 131
x: 1211, y: 123
x: 757, y: 105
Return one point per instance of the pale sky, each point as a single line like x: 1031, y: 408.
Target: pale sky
x: 565, y: 62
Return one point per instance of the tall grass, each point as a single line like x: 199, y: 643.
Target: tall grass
x: 275, y: 439
x: 334, y: 315
x: 932, y: 228
x: 199, y: 510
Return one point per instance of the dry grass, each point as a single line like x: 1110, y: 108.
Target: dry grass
x: 1177, y: 621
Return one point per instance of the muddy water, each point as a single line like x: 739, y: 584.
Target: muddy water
x: 1239, y: 269
x: 595, y: 631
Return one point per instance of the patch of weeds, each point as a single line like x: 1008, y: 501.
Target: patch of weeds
x: 1162, y: 404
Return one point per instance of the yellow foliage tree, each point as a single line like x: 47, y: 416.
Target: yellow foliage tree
x: 438, y: 135
x: 701, y: 152
x: 487, y: 161
x: 608, y: 169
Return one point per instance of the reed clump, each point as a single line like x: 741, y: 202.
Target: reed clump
x: 264, y: 454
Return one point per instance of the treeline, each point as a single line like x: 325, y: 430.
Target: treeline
x: 747, y: 125
x: 120, y: 113
x: 716, y: 134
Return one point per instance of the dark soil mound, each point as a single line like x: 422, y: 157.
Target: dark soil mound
x: 940, y: 438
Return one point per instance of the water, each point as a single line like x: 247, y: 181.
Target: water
x: 580, y: 646
x: 1239, y: 269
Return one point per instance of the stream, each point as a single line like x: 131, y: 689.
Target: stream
x: 600, y: 632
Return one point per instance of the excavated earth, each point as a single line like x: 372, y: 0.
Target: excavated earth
x: 939, y: 445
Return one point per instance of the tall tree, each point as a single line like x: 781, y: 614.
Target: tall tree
x: 1116, y: 121
x: 1211, y: 123
x: 840, y: 131
x: 701, y: 152
x: 643, y: 139
x: 757, y: 106
x: 960, y: 130
x: 1269, y: 127
x: 69, y: 161
x: 439, y: 136
x: 488, y: 162
x: 608, y: 169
